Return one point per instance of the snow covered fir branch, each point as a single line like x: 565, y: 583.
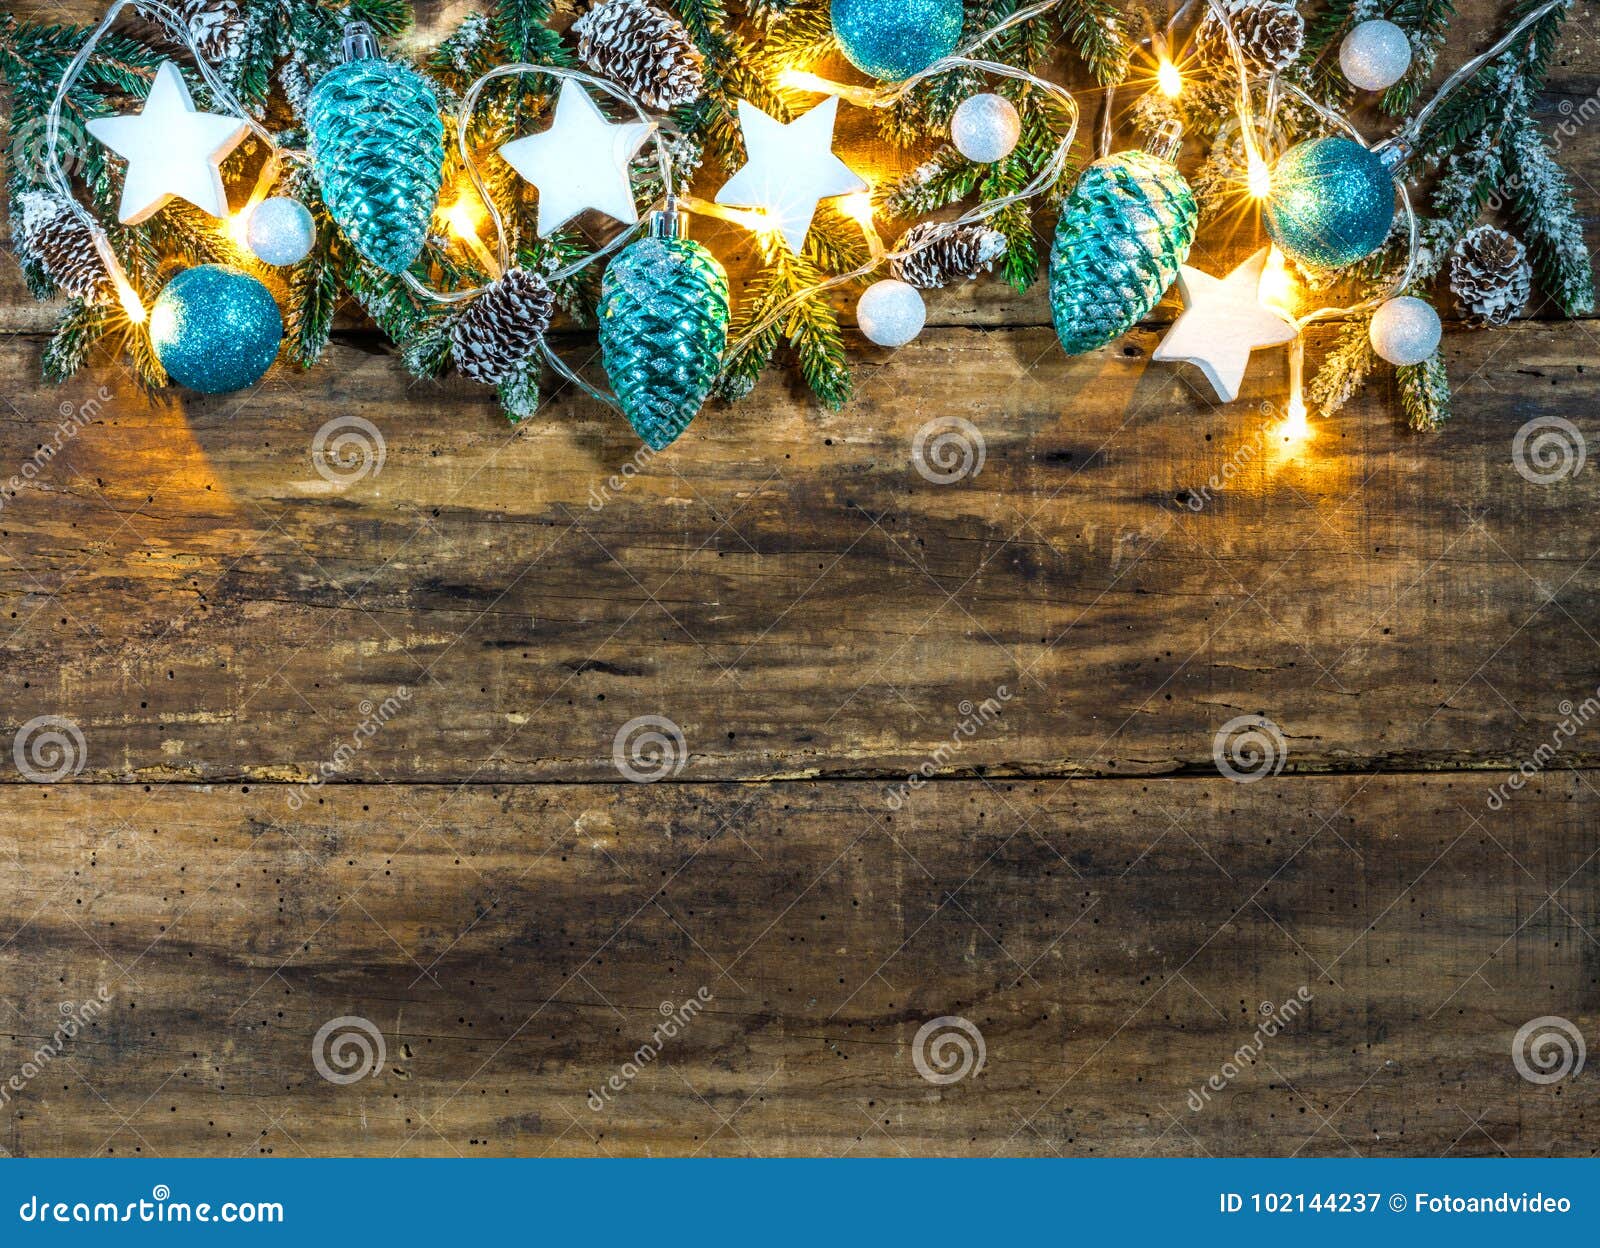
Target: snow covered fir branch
x: 263, y: 164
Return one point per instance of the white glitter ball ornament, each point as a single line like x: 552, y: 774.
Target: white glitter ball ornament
x: 891, y: 313
x: 985, y: 128
x: 1405, y: 331
x: 1375, y: 55
x: 281, y: 231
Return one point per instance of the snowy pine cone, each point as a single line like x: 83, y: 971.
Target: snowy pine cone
x: 217, y: 27
x: 49, y: 232
x: 645, y: 50
x: 502, y: 327
x: 939, y: 255
x: 1271, y: 34
x: 1490, y: 275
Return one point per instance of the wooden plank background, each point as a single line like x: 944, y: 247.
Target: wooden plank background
x: 1077, y: 881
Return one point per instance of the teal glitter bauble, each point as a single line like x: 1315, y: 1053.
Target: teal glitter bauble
x: 1120, y: 240
x: 215, y: 329
x: 893, y: 39
x: 663, y: 324
x: 1331, y: 203
x: 377, y: 146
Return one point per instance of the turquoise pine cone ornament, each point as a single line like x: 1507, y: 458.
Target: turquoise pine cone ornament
x: 1120, y: 240
x: 377, y: 146
x: 663, y: 326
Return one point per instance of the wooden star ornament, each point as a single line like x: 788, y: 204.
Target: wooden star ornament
x: 580, y: 162
x: 1223, y: 321
x: 791, y: 168
x: 173, y: 151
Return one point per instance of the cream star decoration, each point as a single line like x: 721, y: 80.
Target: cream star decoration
x: 173, y: 152
x: 1223, y: 320
x: 580, y: 162
x: 791, y: 168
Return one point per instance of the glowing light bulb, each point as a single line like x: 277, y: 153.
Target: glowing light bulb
x: 464, y: 218
x: 128, y: 297
x: 858, y: 207
x: 800, y: 80
x: 1258, y: 178
x: 1169, y: 79
x: 238, y: 227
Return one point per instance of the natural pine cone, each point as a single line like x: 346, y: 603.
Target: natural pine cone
x: 1490, y: 275
x: 939, y: 254
x: 51, y: 233
x: 644, y: 50
x: 1270, y: 33
x: 502, y: 327
x: 217, y: 27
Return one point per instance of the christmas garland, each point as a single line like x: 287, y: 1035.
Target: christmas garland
x: 469, y: 198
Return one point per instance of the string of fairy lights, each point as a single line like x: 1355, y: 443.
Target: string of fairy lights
x: 377, y: 146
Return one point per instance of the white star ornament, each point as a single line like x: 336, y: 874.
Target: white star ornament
x: 173, y: 151
x: 791, y: 168
x: 1223, y: 320
x: 580, y: 162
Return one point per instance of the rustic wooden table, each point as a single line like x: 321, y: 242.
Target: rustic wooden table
x: 740, y: 957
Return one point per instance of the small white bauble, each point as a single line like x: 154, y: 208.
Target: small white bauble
x: 1375, y: 55
x: 891, y: 313
x: 985, y: 128
x: 1405, y: 330
x: 281, y: 231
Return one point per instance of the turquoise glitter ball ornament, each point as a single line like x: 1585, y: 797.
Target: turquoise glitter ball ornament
x: 215, y: 329
x: 1120, y: 239
x: 893, y: 39
x: 1331, y: 203
x: 377, y: 146
x: 663, y: 324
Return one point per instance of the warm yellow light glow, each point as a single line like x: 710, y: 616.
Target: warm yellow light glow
x: 752, y: 219
x: 1169, y: 79
x: 858, y: 207
x: 800, y: 80
x: 465, y: 218
x: 1276, y: 290
x: 238, y: 227
x: 1295, y: 428
x: 1258, y: 178
x: 128, y: 297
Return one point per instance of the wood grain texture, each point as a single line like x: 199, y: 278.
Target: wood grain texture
x: 788, y: 589
x: 1113, y: 943
x: 1131, y: 569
